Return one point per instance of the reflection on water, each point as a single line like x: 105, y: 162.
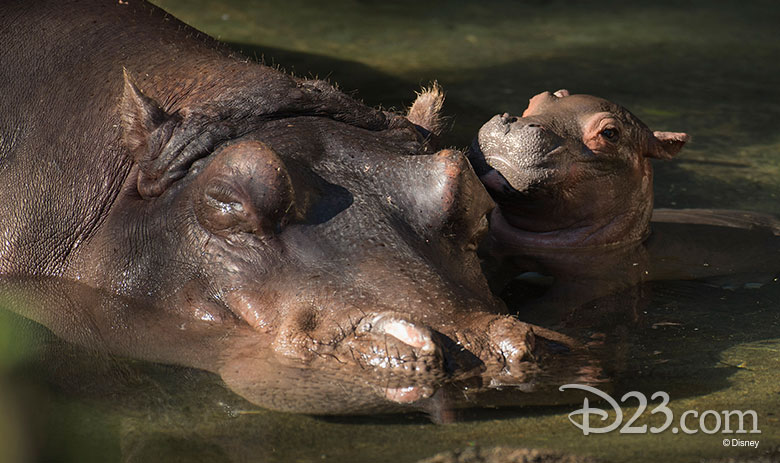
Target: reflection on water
x: 708, y: 347
x: 711, y: 343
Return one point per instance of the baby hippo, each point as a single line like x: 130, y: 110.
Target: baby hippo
x: 573, y: 171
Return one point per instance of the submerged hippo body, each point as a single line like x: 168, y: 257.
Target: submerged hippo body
x: 166, y: 200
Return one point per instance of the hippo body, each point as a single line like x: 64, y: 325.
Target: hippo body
x: 167, y: 200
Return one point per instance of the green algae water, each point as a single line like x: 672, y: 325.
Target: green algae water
x: 707, y: 68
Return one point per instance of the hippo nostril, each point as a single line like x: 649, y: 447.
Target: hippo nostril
x: 410, y: 335
x: 404, y: 331
x: 535, y: 125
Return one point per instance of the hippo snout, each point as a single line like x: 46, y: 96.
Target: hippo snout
x: 525, y: 141
x: 518, y: 148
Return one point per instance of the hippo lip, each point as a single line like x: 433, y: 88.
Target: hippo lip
x: 509, y: 168
x: 502, y: 165
x: 510, y: 180
x: 555, y: 150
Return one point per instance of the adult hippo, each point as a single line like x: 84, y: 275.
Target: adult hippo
x: 573, y: 181
x: 165, y: 199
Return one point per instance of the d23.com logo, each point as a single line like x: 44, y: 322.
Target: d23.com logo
x: 709, y: 421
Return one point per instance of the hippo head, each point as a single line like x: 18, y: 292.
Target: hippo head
x: 572, y: 171
x: 330, y: 256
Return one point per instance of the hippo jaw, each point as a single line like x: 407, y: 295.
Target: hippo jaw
x: 573, y: 171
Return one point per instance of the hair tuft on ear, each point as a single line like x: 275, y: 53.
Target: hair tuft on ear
x: 426, y: 109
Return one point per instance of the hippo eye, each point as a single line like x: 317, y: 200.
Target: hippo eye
x: 611, y: 134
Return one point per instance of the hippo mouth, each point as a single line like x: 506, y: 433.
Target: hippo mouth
x: 510, y: 177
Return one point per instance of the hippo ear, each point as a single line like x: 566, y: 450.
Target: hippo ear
x: 426, y: 109
x: 665, y: 145
x: 140, y: 116
x: 146, y: 130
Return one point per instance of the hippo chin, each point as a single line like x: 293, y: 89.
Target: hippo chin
x: 572, y: 171
x: 167, y: 200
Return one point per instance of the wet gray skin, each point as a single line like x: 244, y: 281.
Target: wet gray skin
x: 184, y: 205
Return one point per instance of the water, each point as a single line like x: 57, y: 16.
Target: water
x: 706, y: 68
